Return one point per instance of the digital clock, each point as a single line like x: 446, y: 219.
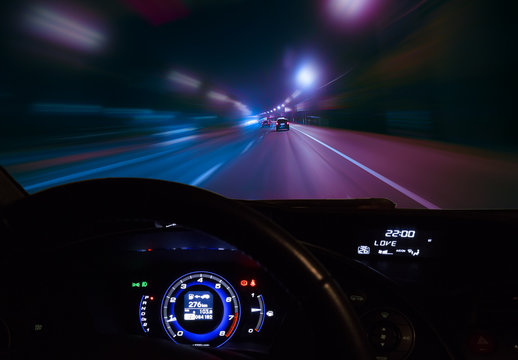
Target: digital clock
x: 404, y: 233
x: 404, y: 241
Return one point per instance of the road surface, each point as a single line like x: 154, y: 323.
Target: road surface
x: 249, y: 162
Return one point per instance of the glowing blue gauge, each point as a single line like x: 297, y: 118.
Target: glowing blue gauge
x: 200, y: 309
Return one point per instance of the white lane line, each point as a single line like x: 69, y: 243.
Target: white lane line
x: 205, y: 175
x: 84, y: 173
x: 389, y: 182
x: 176, y: 141
x: 89, y: 172
x: 176, y: 131
x: 248, y: 147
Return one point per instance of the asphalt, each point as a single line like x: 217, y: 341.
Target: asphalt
x: 249, y: 162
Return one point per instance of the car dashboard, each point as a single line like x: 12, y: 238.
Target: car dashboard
x: 188, y: 287
x: 425, y: 284
x: 418, y: 276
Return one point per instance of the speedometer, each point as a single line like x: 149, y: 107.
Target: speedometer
x: 200, y: 309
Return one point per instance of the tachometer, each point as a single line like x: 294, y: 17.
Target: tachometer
x: 200, y: 309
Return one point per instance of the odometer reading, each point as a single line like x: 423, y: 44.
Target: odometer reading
x: 200, y: 309
x: 198, y: 306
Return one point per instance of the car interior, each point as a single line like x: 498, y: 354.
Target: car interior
x: 89, y: 268
x: 152, y: 208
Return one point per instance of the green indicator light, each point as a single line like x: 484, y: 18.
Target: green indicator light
x: 136, y: 284
x: 144, y: 283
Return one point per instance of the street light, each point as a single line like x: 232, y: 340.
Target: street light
x: 306, y: 76
x: 347, y: 9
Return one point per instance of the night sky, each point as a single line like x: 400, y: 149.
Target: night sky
x: 434, y: 56
x: 250, y: 49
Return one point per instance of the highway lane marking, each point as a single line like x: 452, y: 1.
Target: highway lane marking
x: 389, y: 182
x: 248, y: 147
x: 176, y: 141
x: 89, y: 155
x: 81, y: 174
x: 205, y: 175
x: 176, y: 131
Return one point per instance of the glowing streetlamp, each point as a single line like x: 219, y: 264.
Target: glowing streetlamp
x: 306, y: 76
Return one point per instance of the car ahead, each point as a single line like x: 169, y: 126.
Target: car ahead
x: 282, y: 124
x: 266, y: 123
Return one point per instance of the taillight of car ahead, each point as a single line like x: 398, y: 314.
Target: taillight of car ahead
x: 277, y: 123
x: 287, y: 122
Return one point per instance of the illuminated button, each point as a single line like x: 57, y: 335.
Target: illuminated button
x: 358, y: 298
x: 406, y: 339
x: 384, y: 336
x: 392, y: 316
x: 481, y: 343
x: 390, y: 333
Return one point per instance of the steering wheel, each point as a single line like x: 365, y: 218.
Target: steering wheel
x: 58, y: 216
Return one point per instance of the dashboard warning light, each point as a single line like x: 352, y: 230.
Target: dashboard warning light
x: 244, y: 283
x: 252, y: 283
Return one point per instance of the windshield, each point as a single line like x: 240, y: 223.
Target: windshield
x: 406, y: 100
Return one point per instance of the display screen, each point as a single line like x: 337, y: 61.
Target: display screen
x: 397, y: 241
x: 198, y: 305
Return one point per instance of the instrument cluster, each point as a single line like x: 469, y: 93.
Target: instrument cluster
x: 203, y: 296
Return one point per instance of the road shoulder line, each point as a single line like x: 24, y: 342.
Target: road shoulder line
x: 387, y: 181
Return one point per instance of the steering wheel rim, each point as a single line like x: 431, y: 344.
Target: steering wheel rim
x: 74, y: 206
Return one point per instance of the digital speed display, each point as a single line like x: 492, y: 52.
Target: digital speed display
x: 198, y: 306
x: 397, y: 241
x: 200, y: 309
